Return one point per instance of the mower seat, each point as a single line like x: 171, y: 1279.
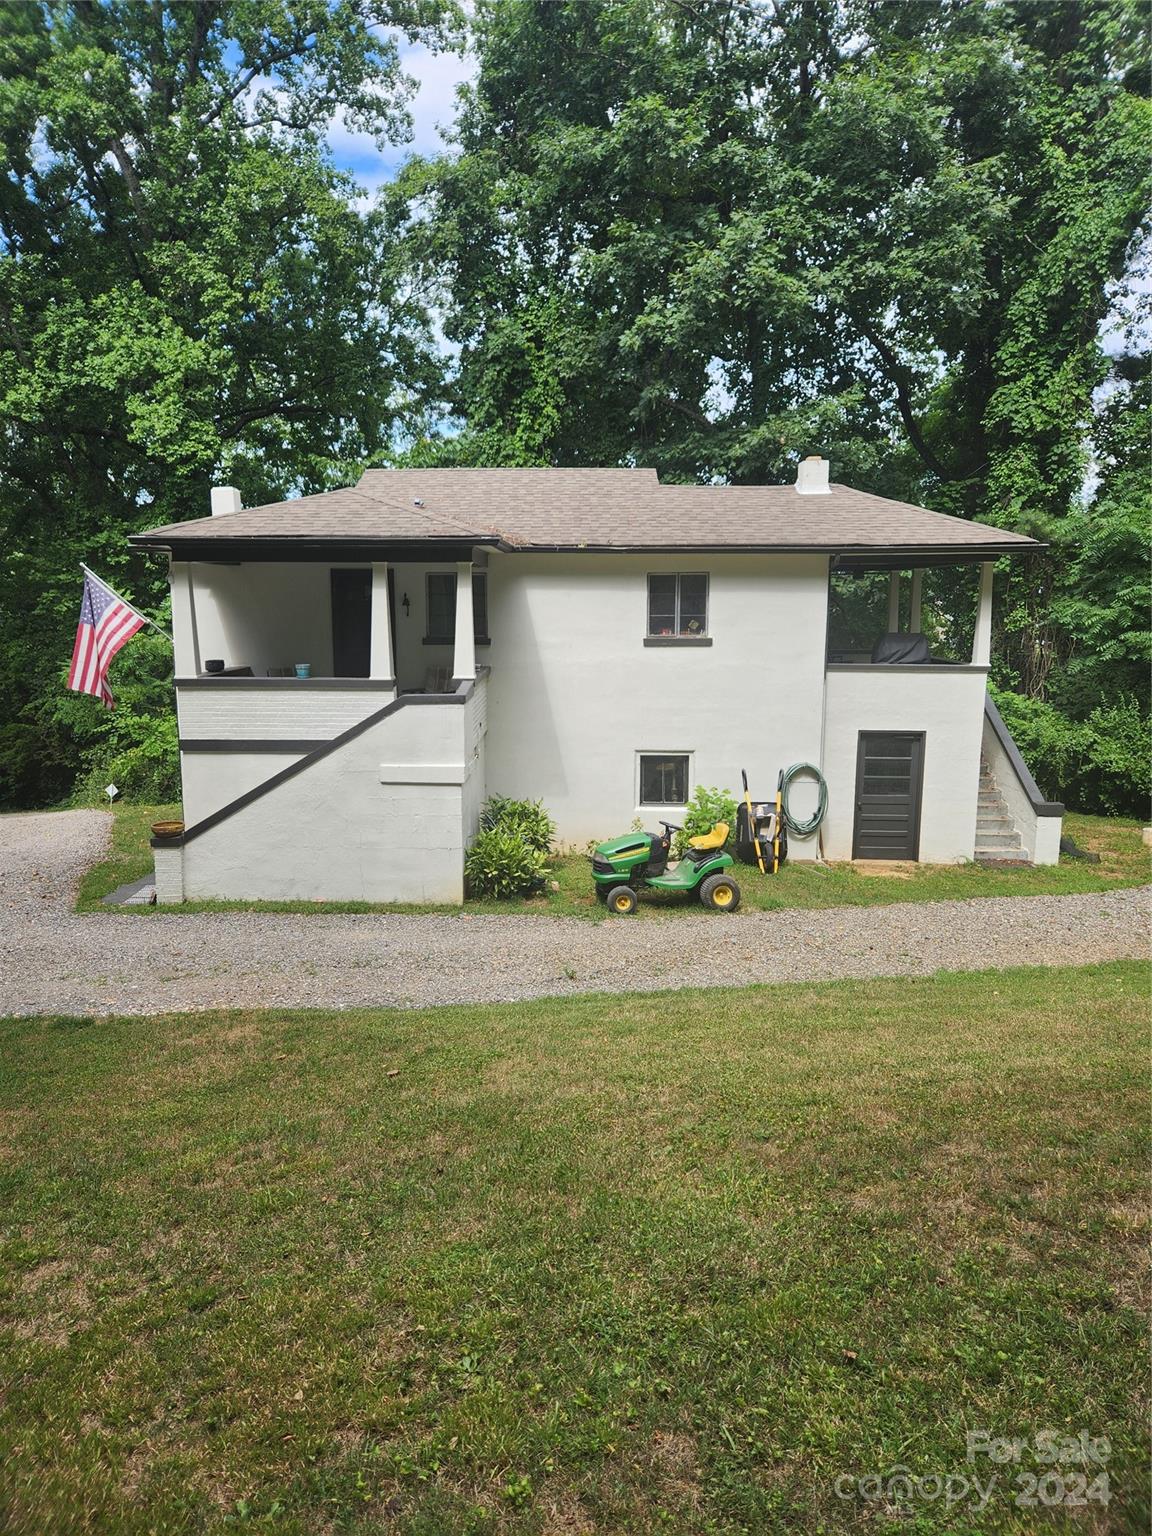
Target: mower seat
x: 714, y: 839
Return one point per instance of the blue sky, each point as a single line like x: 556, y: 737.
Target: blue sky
x: 433, y: 108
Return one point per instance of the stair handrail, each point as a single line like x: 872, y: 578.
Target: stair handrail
x: 1039, y: 804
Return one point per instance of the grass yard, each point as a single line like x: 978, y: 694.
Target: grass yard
x: 634, y: 1264
x: 1124, y: 861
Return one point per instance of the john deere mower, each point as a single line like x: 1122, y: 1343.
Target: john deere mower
x: 624, y: 867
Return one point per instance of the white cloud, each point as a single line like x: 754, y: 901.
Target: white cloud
x: 433, y: 109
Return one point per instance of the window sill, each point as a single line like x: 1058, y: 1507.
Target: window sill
x: 451, y: 640
x: 677, y: 639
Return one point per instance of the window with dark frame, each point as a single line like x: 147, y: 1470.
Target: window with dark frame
x: 664, y: 778
x: 678, y: 605
x: 440, y: 608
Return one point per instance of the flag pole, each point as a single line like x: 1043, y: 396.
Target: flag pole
x: 127, y: 604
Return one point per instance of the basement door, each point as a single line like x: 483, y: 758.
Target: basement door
x: 889, y: 779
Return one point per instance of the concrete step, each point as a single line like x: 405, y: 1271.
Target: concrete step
x: 986, y: 840
x: 1000, y: 856
x: 989, y: 829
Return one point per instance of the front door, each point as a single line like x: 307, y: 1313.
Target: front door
x: 351, y: 623
x: 889, y: 774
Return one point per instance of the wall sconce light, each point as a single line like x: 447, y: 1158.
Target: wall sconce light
x: 405, y: 604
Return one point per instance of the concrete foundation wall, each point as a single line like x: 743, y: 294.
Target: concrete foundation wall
x: 380, y: 818
x: 575, y: 695
x: 948, y: 706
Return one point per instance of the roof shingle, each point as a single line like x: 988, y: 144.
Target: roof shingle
x: 590, y: 509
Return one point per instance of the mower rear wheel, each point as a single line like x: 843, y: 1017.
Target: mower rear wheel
x: 720, y: 893
x: 622, y: 900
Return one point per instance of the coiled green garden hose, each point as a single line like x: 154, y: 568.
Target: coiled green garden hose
x: 803, y: 828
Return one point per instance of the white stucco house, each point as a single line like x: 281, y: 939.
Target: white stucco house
x: 590, y: 637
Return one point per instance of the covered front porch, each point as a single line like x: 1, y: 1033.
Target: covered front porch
x: 278, y: 658
x: 412, y: 626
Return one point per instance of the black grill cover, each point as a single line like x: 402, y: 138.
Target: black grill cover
x: 901, y: 650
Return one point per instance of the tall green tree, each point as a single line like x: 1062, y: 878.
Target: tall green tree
x: 710, y: 234
x: 188, y: 292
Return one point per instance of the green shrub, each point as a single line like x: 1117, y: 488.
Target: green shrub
x: 526, y: 818
x: 1099, y: 765
x: 141, y: 757
x: 704, y: 810
x: 502, y: 864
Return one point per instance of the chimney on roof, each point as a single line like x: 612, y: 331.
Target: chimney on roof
x: 225, y: 498
x: 812, y: 476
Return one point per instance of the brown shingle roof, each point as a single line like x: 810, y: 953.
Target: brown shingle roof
x: 590, y: 509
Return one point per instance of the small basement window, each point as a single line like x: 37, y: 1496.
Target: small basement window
x: 678, y: 605
x: 663, y: 778
x: 441, y: 607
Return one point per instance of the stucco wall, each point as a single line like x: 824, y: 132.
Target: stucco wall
x: 255, y: 615
x: 413, y: 657
x: 381, y: 818
x: 240, y: 709
x: 1039, y: 835
x: 211, y: 780
x: 948, y: 706
x: 575, y: 695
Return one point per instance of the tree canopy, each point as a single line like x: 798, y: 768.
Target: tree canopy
x: 189, y: 292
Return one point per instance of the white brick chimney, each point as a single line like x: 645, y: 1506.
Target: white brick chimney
x: 225, y: 498
x: 812, y: 476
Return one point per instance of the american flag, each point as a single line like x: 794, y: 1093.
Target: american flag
x: 106, y: 623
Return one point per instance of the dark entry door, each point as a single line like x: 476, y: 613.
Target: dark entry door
x: 351, y: 623
x: 889, y: 774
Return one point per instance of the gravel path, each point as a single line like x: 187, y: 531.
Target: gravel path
x: 56, y: 961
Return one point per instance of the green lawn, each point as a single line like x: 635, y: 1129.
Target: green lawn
x: 1123, y: 861
x: 627, y: 1264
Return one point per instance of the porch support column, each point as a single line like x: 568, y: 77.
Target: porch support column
x: 185, y: 636
x: 917, y: 602
x: 893, y: 602
x: 982, y: 640
x: 464, y: 650
x: 381, y: 662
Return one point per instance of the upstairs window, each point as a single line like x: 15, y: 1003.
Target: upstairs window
x: 441, y: 607
x: 678, y: 606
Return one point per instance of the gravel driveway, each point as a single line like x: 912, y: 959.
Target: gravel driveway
x: 56, y: 961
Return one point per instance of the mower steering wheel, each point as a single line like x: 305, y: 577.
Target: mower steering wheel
x: 671, y: 826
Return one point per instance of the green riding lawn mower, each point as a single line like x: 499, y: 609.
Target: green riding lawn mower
x: 625, y: 866
x: 639, y: 860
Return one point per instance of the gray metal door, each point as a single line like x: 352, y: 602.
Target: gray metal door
x: 889, y: 776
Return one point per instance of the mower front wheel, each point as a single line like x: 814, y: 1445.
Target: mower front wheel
x: 720, y: 893
x: 622, y: 900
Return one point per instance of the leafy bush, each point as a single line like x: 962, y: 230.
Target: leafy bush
x: 526, y: 818
x: 1099, y: 765
x: 501, y: 863
x: 704, y: 810
x: 142, y: 758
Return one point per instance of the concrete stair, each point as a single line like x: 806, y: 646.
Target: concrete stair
x: 997, y: 840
